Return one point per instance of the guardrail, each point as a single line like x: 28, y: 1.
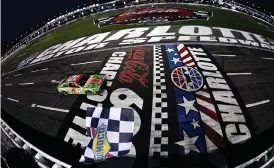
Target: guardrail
x: 266, y: 156
x: 44, y: 160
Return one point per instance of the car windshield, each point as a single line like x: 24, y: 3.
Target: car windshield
x: 83, y: 80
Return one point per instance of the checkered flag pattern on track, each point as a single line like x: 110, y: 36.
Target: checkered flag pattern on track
x: 159, y: 125
x: 119, y: 124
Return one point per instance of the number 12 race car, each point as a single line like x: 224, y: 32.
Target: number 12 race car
x: 82, y: 84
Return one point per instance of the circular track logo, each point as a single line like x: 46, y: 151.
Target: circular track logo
x: 187, y: 78
x: 152, y: 15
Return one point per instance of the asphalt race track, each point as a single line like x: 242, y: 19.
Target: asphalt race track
x: 193, y: 103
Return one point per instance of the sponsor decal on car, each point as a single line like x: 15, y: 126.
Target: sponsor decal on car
x: 152, y: 16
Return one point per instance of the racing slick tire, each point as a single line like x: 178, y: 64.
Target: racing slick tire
x: 64, y: 93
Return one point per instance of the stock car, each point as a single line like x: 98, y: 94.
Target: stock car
x: 82, y: 84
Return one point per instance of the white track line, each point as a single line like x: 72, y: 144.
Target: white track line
x: 83, y: 63
x: 233, y: 74
x: 50, y: 108
x: 6, y: 77
x: 13, y: 100
x: 26, y: 83
x: 7, y: 84
x: 55, y: 81
x: 267, y: 58
x: 39, y: 70
x: 258, y: 103
x: 223, y: 55
x: 17, y: 75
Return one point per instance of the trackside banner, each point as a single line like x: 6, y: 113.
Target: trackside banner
x: 156, y: 34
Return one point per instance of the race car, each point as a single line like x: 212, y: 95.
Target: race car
x: 82, y: 84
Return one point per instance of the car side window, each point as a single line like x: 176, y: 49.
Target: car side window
x: 65, y: 85
x: 71, y: 85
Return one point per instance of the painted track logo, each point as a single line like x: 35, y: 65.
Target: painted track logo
x: 187, y: 78
x: 153, y: 16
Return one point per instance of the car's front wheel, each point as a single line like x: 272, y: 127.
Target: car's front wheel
x: 64, y: 93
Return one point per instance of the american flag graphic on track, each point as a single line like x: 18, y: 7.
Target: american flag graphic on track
x: 200, y: 129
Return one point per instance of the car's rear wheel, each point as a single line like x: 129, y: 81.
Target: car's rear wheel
x: 89, y: 92
x: 64, y: 93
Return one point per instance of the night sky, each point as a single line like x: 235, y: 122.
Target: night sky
x: 21, y: 17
